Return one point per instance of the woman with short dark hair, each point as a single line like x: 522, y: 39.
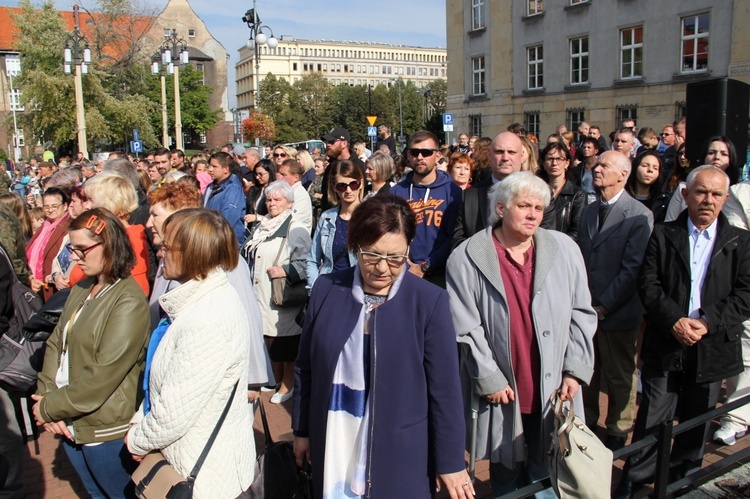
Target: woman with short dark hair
x: 197, y: 360
x: 569, y: 199
x: 89, y: 386
x: 377, y: 387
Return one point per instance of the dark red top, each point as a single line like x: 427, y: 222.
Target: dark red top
x: 524, y: 352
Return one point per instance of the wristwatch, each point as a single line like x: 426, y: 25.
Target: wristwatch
x: 426, y: 267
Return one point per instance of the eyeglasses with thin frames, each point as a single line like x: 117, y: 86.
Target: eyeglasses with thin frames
x: 393, y: 261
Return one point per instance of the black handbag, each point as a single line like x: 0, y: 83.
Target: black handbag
x: 276, y: 472
x: 40, y: 325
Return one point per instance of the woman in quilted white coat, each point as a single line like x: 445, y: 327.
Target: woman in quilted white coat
x: 195, y: 357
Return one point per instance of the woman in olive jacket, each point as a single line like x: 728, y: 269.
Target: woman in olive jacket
x: 89, y: 385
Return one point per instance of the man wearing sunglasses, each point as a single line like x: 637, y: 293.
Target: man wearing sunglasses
x: 337, y: 147
x: 435, y: 199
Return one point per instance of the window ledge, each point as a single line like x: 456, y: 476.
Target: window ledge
x: 533, y: 16
x: 693, y: 75
x: 629, y: 82
x: 478, y: 31
x: 534, y: 91
x: 577, y: 6
x: 578, y: 87
x: 477, y: 98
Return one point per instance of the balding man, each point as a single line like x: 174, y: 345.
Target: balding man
x: 506, y: 156
x: 695, y: 283
x: 613, y: 234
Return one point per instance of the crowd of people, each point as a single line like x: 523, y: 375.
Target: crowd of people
x: 389, y: 297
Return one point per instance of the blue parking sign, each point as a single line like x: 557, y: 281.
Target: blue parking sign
x: 447, y: 118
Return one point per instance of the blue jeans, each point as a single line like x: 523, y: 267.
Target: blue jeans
x: 505, y: 480
x: 104, y: 469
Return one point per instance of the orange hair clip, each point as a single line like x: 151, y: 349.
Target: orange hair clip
x: 95, y: 227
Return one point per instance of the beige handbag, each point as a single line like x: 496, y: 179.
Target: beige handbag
x: 580, y: 465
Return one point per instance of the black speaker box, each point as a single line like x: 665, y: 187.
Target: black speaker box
x: 717, y: 107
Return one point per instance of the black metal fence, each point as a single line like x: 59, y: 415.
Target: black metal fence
x: 663, y: 440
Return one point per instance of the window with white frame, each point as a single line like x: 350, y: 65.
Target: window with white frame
x: 535, y: 65
x: 532, y: 123
x: 475, y: 124
x: 579, y: 60
x: 695, y: 43
x: 534, y: 7
x: 631, y: 52
x: 576, y: 2
x: 477, y: 76
x: 15, y: 100
x: 12, y: 65
x: 191, y: 33
x: 201, y: 68
x: 202, y: 138
x: 477, y: 14
x: 574, y: 118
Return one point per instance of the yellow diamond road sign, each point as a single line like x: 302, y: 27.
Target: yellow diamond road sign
x: 372, y: 120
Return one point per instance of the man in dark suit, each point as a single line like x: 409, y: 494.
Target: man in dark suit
x: 506, y: 156
x: 613, y: 234
x: 695, y: 283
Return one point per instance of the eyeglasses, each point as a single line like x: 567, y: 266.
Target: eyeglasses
x: 353, y: 185
x: 426, y: 153
x: 555, y: 159
x: 279, y: 155
x: 51, y: 207
x: 331, y: 142
x: 81, y: 252
x: 393, y: 261
x: 665, y: 134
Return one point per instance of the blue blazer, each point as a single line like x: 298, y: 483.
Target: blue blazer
x: 418, y: 425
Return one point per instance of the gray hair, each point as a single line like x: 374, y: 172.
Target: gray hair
x: 124, y: 168
x: 280, y: 187
x: 65, y: 179
x: 382, y: 163
x: 176, y: 175
x: 514, y: 185
x: 690, y: 181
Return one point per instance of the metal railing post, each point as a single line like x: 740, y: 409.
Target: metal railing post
x: 663, y: 447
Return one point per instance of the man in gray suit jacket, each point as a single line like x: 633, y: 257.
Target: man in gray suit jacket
x: 613, y: 235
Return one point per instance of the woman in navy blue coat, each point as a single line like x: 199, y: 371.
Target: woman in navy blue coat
x: 377, y: 397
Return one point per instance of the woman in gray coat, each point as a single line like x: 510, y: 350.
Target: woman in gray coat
x: 522, y: 312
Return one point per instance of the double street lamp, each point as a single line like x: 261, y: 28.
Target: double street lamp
x: 400, y: 111
x: 172, y: 54
x: 257, y: 38
x: 78, y: 54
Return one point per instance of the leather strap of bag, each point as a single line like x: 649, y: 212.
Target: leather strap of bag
x: 264, y: 419
x: 213, y: 436
x: 281, y: 248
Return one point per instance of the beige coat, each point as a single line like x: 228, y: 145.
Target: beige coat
x: 279, y: 321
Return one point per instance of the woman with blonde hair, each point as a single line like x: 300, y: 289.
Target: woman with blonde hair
x: 531, y: 164
x: 379, y: 170
x: 306, y: 160
x: 282, y: 153
x: 117, y: 194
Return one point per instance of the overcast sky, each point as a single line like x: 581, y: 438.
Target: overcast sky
x: 412, y: 22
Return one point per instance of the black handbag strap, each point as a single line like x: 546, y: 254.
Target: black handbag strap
x: 213, y: 436
x: 264, y: 419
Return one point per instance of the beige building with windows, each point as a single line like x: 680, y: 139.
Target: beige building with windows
x: 545, y: 63
x: 349, y: 63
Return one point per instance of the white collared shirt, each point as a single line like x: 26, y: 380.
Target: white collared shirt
x: 613, y: 200
x: 701, y: 245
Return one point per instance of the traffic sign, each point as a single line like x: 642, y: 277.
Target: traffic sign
x: 447, y: 128
x: 372, y: 131
x: 448, y: 119
x: 371, y: 120
x: 136, y: 146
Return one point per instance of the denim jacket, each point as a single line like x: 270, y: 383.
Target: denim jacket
x: 320, y: 258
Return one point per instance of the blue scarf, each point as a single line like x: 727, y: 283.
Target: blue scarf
x: 153, y: 344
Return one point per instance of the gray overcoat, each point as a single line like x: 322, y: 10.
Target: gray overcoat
x: 564, y: 325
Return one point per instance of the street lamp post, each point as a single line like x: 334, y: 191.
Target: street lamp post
x: 14, y: 105
x: 258, y: 38
x: 156, y: 70
x: 77, y: 53
x: 400, y: 111
x: 174, y: 53
x: 426, y: 94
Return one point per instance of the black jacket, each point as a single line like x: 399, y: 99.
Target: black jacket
x: 473, y: 214
x: 664, y: 285
x: 569, y: 205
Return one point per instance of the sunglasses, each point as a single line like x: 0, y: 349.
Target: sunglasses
x: 279, y: 155
x: 426, y: 153
x: 353, y: 185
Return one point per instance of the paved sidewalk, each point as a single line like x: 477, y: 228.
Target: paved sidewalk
x: 48, y: 473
